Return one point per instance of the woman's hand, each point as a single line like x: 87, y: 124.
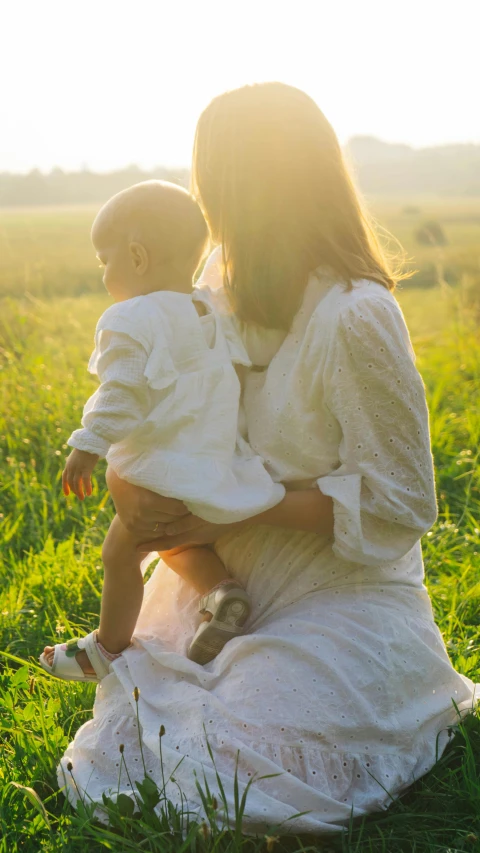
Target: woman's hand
x: 189, y: 531
x: 141, y: 511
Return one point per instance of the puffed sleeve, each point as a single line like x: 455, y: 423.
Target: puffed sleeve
x: 131, y: 356
x: 383, y: 491
x: 122, y: 400
x: 140, y: 320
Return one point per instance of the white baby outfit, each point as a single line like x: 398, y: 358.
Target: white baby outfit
x: 166, y: 412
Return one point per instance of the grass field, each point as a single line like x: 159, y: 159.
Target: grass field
x: 50, y: 574
x: 47, y: 252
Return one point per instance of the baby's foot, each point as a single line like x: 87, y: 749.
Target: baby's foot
x: 81, y: 657
x: 226, y: 608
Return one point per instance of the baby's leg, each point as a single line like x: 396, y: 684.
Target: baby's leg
x: 226, y: 605
x: 123, y: 588
x: 200, y: 567
x: 122, y: 594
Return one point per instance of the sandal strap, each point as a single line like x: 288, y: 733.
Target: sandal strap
x: 99, y: 663
x: 58, y: 662
x: 208, y: 601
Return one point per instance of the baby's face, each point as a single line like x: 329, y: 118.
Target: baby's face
x: 113, y: 253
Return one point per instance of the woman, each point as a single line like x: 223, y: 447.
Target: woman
x: 342, y: 687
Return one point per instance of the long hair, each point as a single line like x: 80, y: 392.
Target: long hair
x: 270, y: 176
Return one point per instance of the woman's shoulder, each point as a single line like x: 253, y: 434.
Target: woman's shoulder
x: 366, y: 310
x: 336, y: 302
x: 209, y: 287
x: 212, y: 275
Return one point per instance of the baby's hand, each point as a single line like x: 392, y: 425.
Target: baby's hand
x: 77, y: 473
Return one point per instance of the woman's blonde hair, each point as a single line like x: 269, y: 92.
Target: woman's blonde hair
x: 271, y: 179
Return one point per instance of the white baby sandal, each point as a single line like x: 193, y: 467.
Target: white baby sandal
x: 65, y: 665
x: 229, y: 606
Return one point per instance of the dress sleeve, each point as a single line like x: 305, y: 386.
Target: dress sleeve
x: 384, y: 490
x: 122, y: 401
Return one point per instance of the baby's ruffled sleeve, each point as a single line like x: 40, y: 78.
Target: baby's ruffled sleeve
x: 383, y: 491
x: 121, y: 402
x: 141, y: 321
x: 131, y: 356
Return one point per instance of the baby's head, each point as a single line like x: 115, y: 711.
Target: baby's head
x: 149, y: 237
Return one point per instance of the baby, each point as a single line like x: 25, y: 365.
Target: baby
x: 165, y: 417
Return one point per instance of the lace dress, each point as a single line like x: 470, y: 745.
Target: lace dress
x: 341, y: 686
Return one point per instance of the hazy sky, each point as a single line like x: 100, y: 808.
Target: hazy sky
x: 111, y: 82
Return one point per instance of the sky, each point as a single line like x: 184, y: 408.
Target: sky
x: 106, y: 83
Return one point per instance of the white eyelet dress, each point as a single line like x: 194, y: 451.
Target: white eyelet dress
x: 341, y: 686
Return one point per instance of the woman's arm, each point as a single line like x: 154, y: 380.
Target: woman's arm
x: 308, y: 510
x: 384, y: 489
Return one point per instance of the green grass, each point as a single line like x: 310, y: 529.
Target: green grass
x: 47, y: 252
x: 460, y: 221
x: 50, y: 581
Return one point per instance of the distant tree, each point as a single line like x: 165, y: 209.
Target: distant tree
x: 82, y: 187
x: 431, y: 234
x: 382, y: 168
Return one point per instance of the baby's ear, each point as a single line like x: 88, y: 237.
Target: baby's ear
x: 139, y: 256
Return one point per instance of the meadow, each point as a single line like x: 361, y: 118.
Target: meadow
x: 50, y: 571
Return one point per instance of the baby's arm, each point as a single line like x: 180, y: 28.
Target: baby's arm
x: 119, y: 405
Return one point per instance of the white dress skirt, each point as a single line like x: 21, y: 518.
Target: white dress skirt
x: 341, y: 687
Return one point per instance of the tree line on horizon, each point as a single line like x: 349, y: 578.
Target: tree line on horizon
x: 84, y: 187
x: 381, y: 168
x: 384, y: 168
